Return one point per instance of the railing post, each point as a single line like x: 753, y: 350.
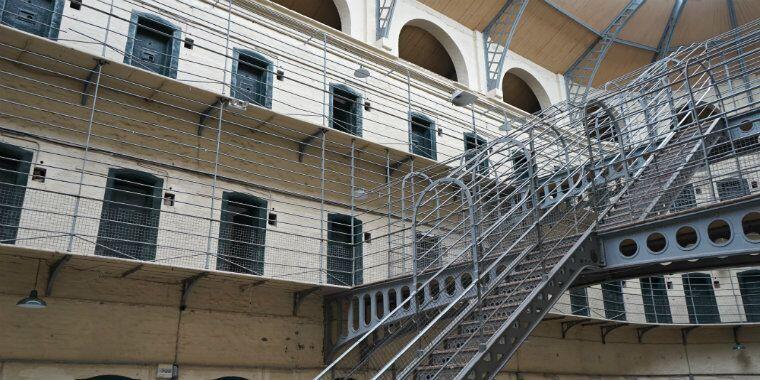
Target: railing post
x: 213, y: 184
x: 322, y: 242
x: 91, y: 120
x: 390, y: 208
x: 534, y: 198
x: 353, y: 208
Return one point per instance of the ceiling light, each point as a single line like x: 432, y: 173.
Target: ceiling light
x: 361, y: 72
x: 462, y: 98
x: 738, y: 346
x: 32, y: 302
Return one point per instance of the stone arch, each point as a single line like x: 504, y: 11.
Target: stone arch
x: 521, y: 89
x: 333, y: 13
x: 441, y: 36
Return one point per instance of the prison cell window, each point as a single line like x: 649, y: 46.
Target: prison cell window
x: 473, y: 144
x: 656, y: 242
x: 422, y: 134
x: 345, y: 110
x: 700, y: 298
x: 252, y: 78
x: 687, y: 237
x: 628, y: 248
x: 130, y: 214
x: 38, y: 17
x: 655, y: 296
x: 153, y: 44
x: 428, y: 251
x: 612, y: 296
x: 39, y: 174
x: 169, y: 199
x: 272, y: 219
x: 579, y: 302
x: 75, y: 4
x: 731, y: 188
x: 719, y: 232
x: 749, y: 287
x: 242, y: 234
x: 751, y: 226
x: 14, y: 173
x: 344, y: 250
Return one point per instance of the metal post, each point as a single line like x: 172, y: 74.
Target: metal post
x: 695, y: 120
x: 534, y: 197
x: 409, y: 110
x: 322, y: 242
x: 353, y: 207
x: 227, y: 46
x: 108, y: 29
x: 325, y: 88
x: 77, y: 201
x: 213, y: 184
x: 390, y: 210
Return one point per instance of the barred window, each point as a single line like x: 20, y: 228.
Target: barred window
x: 749, y: 287
x: 422, y: 133
x: 345, y: 109
x: 700, y: 298
x: 579, y: 302
x: 654, y: 292
x: 344, y: 250
x: 14, y: 173
x: 612, y: 295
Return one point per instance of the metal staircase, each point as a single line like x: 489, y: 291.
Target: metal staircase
x: 496, y: 239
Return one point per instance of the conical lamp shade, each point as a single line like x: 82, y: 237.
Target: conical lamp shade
x: 32, y: 302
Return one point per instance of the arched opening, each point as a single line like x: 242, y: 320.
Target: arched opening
x: 421, y: 48
x: 518, y: 93
x: 324, y: 11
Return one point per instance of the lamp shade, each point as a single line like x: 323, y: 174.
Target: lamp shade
x: 32, y: 302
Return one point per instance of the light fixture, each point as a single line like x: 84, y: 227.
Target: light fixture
x: 361, y: 72
x: 33, y: 301
x: 462, y: 98
x: 737, y: 346
x: 360, y: 194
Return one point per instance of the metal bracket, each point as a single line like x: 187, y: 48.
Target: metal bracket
x: 55, y: 270
x: 85, y: 87
x: 396, y: 165
x: 305, y: 142
x: 685, y: 333
x: 130, y: 271
x: 298, y: 298
x: 187, y: 286
x: 384, y: 14
x: 641, y: 331
x: 206, y: 114
x: 566, y: 326
x: 605, y: 330
x: 496, y: 39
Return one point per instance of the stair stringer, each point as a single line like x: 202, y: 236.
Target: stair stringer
x: 509, y: 336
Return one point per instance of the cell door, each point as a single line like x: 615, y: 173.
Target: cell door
x: 32, y: 16
x: 14, y: 172
x: 344, y: 250
x: 152, y: 47
x: 251, y: 80
x: 129, y: 218
x: 242, y: 234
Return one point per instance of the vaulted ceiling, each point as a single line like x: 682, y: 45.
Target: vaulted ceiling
x: 549, y: 35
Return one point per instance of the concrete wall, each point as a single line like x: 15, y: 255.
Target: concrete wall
x: 98, y: 322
